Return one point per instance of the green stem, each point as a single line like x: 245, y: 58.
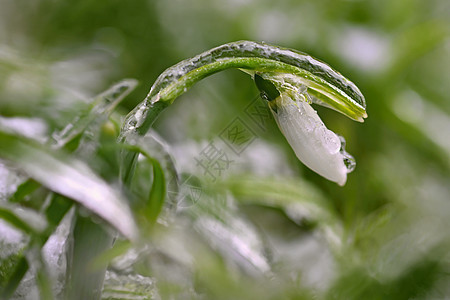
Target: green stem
x: 128, y: 160
x: 90, y: 240
x: 326, y: 84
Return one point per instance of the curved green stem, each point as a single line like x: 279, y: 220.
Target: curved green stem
x: 327, y: 85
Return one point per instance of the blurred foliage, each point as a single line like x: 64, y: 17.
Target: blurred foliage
x: 267, y: 228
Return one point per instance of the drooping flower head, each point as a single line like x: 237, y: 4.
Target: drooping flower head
x: 317, y: 147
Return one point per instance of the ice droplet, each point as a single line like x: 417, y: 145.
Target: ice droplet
x: 349, y: 161
x: 343, y: 142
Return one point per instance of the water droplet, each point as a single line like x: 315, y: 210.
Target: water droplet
x: 264, y: 96
x: 343, y: 142
x: 349, y: 162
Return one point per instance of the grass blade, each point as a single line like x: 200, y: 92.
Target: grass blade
x: 71, y: 178
x: 157, y: 193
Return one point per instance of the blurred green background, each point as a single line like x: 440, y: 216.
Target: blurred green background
x: 394, y: 211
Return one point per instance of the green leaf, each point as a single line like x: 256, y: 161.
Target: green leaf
x: 90, y: 240
x: 57, y: 209
x: 283, y: 193
x: 298, y: 199
x: 23, y: 190
x: 157, y: 193
x: 26, y: 220
x: 414, y: 283
x: 100, y: 108
x: 43, y: 278
x: 119, y: 248
x: 417, y: 40
x: 71, y: 178
x: 15, y: 278
x: 7, y: 266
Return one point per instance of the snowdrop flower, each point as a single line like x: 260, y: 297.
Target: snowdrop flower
x: 289, y: 79
x: 317, y: 147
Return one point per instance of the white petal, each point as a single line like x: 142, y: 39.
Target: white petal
x: 316, y: 146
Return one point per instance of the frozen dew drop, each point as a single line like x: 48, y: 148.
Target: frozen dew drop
x: 343, y: 142
x: 349, y: 161
x: 264, y: 96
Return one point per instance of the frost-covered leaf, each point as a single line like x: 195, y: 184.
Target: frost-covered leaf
x: 69, y: 177
x: 283, y: 193
x: 100, y: 108
x: 235, y: 238
x: 133, y: 287
x: 32, y: 128
x: 163, y: 174
x: 26, y: 220
x: 299, y: 200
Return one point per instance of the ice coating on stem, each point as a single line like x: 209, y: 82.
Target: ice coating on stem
x: 317, y: 147
x: 242, y: 49
x: 324, y: 83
